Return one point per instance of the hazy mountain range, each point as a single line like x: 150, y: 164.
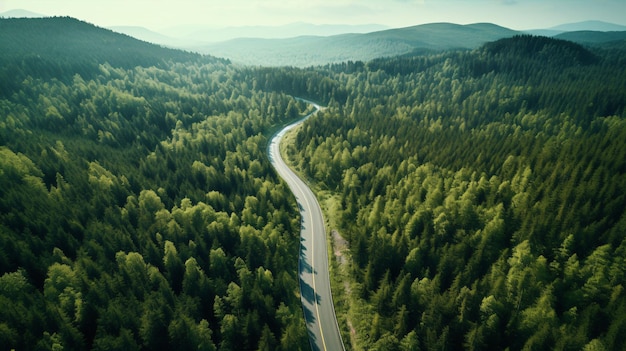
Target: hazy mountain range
x: 304, y: 44
x: 315, y: 50
x: 21, y: 14
x: 319, y: 50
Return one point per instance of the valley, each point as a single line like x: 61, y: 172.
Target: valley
x: 473, y: 176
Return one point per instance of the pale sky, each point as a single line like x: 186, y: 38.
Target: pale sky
x: 161, y: 14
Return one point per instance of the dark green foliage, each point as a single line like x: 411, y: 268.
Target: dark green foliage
x: 60, y: 47
x: 482, y: 194
x: 138, y: 209
x: 541, y: 48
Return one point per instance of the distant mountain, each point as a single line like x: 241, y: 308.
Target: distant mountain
x: 64, y: 46
x: 214, y: 35
x: 598, y: 26
x: 315, y: 50
x: 149, y: 36
x: 595, y: 26
x: 19, y: 13
x: 440, y: 36
x: 592, y: 37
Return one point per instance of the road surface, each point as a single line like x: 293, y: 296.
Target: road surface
x: 316, y: 297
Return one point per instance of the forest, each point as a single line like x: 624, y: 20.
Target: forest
x: 138, y: 209
x: 481, y: 193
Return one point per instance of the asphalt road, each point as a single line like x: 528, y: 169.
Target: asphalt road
x: 316, y: 297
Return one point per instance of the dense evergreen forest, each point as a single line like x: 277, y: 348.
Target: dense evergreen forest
x: 138, y: 209
x: 482, y: 194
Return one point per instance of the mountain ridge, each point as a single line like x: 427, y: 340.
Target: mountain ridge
x: 291, y: 30
x: 595, y: 38
x: 67, y: 46
x: 391, y: 42
x: 145, y: 34
x: 298, y: 51
x: 592, y: 25
x: 20, y: 13
x: 301, y: 51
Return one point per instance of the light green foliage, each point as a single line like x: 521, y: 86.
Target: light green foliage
x: 62, y: 289
x: 492, y: 181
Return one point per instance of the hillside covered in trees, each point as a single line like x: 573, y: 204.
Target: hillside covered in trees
x: 138, y: 210
x: 482, y: 194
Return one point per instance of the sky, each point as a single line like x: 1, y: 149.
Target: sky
x: 163, y: 14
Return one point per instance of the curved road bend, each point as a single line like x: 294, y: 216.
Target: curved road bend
x: 315, y: 294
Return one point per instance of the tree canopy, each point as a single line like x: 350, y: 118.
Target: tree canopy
x: 481, y: 193
x: 138, y: 209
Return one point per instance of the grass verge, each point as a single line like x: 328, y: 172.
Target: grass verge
x: 338, y: 248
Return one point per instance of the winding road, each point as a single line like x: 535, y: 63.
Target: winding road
x: 317, y: 301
